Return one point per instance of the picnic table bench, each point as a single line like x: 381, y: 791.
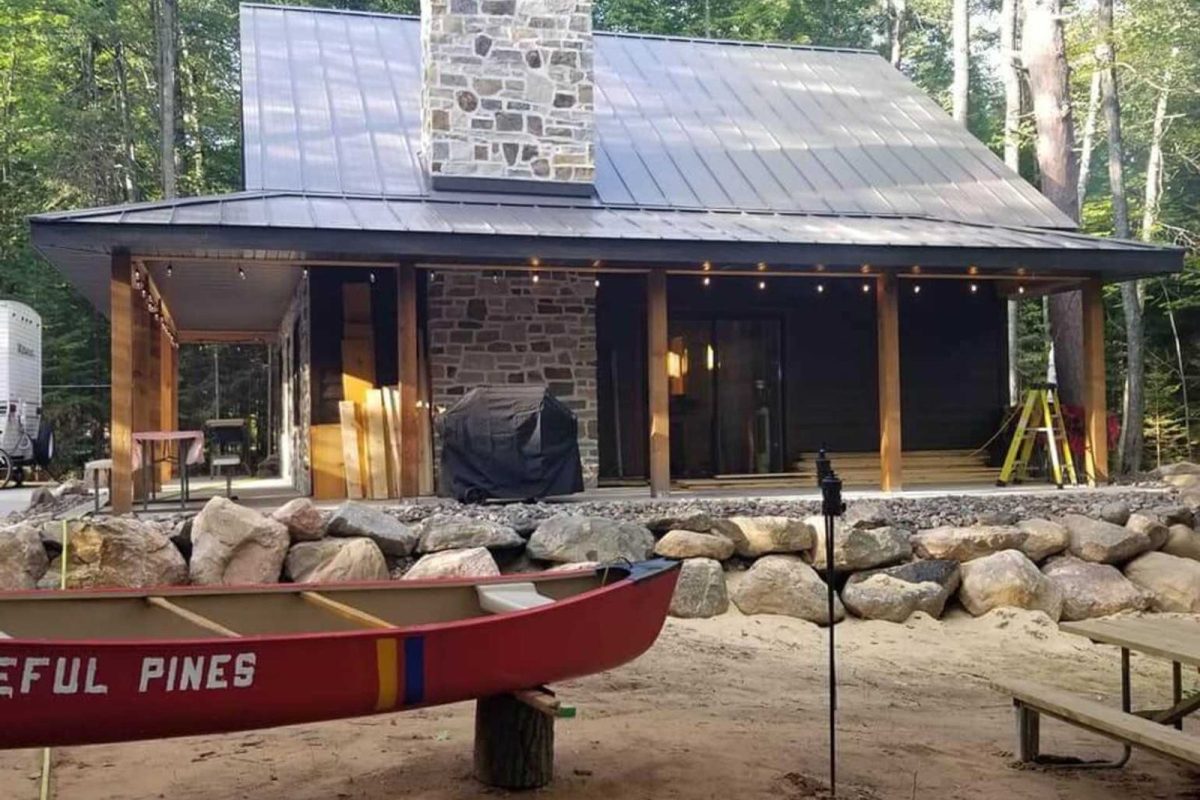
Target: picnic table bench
x: 1156, y: 730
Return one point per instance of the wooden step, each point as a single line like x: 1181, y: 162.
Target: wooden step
x: 1105, y: 720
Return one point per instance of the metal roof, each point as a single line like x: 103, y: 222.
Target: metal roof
x: 331, y: 104
x: 299, y: 226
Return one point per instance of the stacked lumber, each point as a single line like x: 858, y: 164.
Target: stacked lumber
x: 370, y: 433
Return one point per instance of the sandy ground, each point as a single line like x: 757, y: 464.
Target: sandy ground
x: 732, y: 707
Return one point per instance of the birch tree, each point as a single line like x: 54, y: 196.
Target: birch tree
x: 961, y: 43
x: 1009, y: 12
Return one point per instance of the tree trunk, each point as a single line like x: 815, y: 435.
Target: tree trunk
x: 897, y: 9
x: 514, y: 744
x: 1045, y: 59
x: 1012, y: 157
x: 165, y: 33
x: 1089, y: 137
x: 128, y: 153
x: 191, y: 120
x: 1154, y: 178
x: 1129, y: 449
x: 960, y: 89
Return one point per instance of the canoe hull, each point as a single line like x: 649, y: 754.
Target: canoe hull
x: 72, y: 693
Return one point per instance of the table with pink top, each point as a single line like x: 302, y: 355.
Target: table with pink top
x: 191, y: 451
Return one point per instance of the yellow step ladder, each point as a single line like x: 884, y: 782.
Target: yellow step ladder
x: 1040, y: 416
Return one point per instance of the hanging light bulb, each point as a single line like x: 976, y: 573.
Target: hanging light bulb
x: 762, y: 285
x: 535, y: 277
x: 1020, y: 290
x: 974, y: 288
x: 372, y: 277
x: 707, y: 280
x: 168, y: 269
x: 866, y: 288
x: 917, y: 289
x: 597, y: 283
x: 241, y: 273
x: 820, y: 288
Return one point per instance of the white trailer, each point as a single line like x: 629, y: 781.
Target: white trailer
x: 25, y: 437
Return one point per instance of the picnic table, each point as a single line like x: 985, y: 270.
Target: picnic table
x: 1158, y: 730
x: 191, y: 451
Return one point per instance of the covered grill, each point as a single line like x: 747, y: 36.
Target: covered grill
x: 516, y: 443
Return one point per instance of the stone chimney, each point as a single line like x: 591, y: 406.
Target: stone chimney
x: 507, y: 95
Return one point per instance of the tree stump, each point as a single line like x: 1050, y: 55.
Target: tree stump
x: 514, y: 744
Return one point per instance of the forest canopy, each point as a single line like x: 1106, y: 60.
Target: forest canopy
x: 93, y: 112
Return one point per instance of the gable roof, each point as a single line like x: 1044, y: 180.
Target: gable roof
x: 331, y: 104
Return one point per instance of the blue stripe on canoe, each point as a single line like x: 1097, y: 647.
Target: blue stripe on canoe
x: 414, y: 670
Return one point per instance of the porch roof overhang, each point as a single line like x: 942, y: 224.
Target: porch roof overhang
x: 265, y: 227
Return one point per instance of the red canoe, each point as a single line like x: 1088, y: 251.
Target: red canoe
x: 108, y: 666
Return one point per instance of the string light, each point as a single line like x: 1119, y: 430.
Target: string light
x: 974, y: 288
x: 707, y: 266
x: 972, y: 270
x: 1020, y: 290
x: 865, y: 269
x: 916, y: 288
x: 707, y: 280
x: 762, y: 266
x: 820, y: 288
x: 241, y: 273
x: 820, y: 267
x: 535, y: 277
x: 866, y: 288
x: 306, y: 273
x: 762, y: 285
x: 537, y: 262
x: 372, y: 277
x: 916, y: 270
x: 168, y: 270
x: 597, y: 283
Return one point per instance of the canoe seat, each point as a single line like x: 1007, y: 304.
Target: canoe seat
x: 501, y: 598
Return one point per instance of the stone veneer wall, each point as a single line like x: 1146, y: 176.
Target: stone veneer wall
x: 508, y: 89
x: 488, y: 329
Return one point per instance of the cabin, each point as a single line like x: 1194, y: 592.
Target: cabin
x: 720, y: 255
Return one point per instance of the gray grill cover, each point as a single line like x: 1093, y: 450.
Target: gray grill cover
x: 517, y: 443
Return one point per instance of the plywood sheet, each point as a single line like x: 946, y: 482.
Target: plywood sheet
x: 391, y: 410
x: 351, y: 447
x: 328, y: 470
x: 377, y: 456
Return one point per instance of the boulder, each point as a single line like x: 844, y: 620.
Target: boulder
x: 181, y: 537
x: 23, y: 559
x: 1007, y: 578
x: 883, y: 597
x: 1043, y: 538
x: 1184, y: 482
x: 353, y: 519
x: 700, y: 591
x: 1150, y: 525
x: 474, y: 563
x: 336, y: 560
x: 760, y: 536
x: 864, y: 514
x: 1092, y: 590
x: 122, y: 552
x: 785, y: 584
x: 991, y: 519
x: 699, y: 521
x: 1173, y: 583
x: 862, y: 548
x: 964, y: 544
x: 894, y: 593
x: 578, y: 566
x: 1174, y: 515
x: 455, y: 532
x: 1182, y: 541
x: 232, y: 544
x: 1103, y: 542
x: 304, y: 521
x: 41, y: 496
x: 689, y: 544
x: 571, y: 537
x: 1180, y: 468
x: 69, y: 487
x: 1116, y: 513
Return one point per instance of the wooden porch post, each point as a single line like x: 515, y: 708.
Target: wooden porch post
x: 660, y: 414
x: 1095, y: 404
x: 888, y: 322
x: 121, y: 343
x: 166, y: 393
x: 410, y: 423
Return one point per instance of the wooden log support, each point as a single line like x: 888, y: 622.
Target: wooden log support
x: 410, y: 422
x: 121, y: 343
x: 514, y: 743
x: 660, y: 410
x: 1095, y: 405
x: 1028, y: 732
x: 888, y: 320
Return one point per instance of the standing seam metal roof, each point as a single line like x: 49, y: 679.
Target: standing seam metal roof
x: 331, y: 104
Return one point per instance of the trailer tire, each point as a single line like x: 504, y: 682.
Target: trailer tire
x: 6, y: 467
x: 43, y: 445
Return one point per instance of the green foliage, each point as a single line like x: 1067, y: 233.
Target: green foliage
x: 73, y: 134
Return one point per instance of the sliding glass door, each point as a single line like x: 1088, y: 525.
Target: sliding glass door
x: 724, y: 378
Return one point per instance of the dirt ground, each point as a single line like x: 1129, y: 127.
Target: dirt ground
x: 732, y: 707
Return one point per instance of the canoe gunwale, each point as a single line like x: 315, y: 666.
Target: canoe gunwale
x: 634, y: 574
